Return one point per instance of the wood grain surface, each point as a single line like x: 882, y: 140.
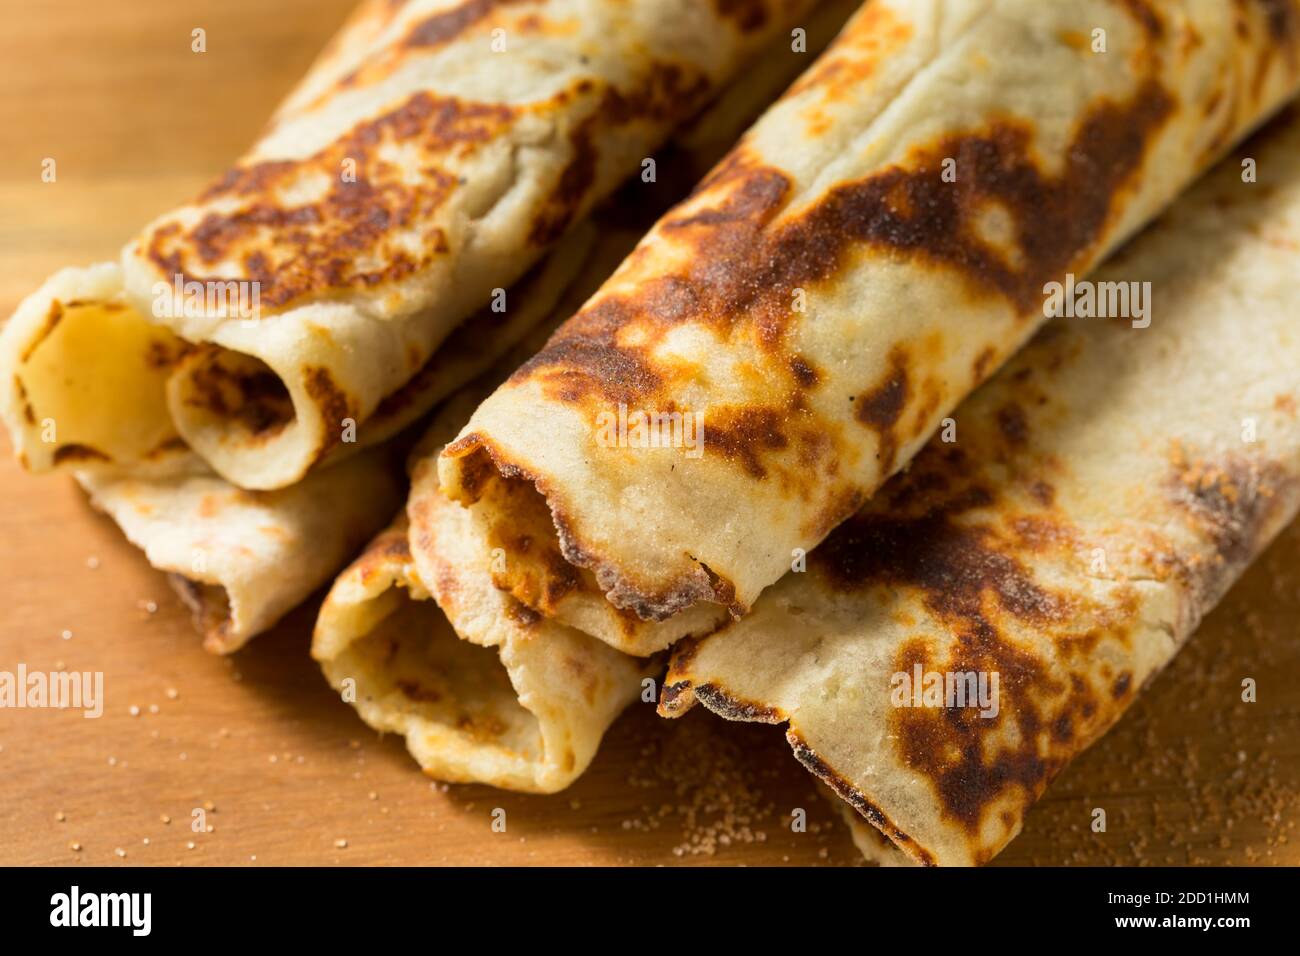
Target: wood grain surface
x: 283, y: 771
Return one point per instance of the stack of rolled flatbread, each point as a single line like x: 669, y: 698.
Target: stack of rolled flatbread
x: 235, y: 390
x: 906, y: 429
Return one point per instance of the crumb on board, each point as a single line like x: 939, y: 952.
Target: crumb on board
x: 715, y: 789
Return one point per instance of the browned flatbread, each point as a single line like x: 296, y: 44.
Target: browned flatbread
x: 876, y: 246
x: 523, y: 701
x: 92, y: 380
x: 435, y: 153
x: 1093, y: 503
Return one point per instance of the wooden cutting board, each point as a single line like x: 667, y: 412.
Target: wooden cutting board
x: 283, y: 772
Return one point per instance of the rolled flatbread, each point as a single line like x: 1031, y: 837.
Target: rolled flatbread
x: 113, y: 414
x: 112, y: 420
x: 876, y: 246
x: 418, y: 639
x: 433, y: 155
x: 512, y: 699
x: 519, y: 701
x: 415, y: 635
x: 949, y: 648
x: 239, y: 559
x: 242, y: 559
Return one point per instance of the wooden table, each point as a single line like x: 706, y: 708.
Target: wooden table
x: 137, y: 122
